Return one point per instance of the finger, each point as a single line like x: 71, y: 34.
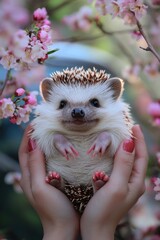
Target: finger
x: 123, y: 163
x: 141, y: 157
x: 36, y: 164
x: 23, y: 152
x: 23, y: 160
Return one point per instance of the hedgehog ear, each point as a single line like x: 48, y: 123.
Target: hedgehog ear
x: 46, y: 87
x: 116, y: 85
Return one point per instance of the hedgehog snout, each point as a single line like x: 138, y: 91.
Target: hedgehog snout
x: 78, y: 113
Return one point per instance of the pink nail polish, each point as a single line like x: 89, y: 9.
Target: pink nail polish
x: 128, y: 145
x: 31, y: 145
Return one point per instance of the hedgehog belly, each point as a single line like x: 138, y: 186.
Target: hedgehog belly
x: 78, y: 195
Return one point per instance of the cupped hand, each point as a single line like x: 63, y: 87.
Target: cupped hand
x: 56, y: 212
x: 126, y: 184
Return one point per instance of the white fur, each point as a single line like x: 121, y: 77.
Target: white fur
x: 47, y: 123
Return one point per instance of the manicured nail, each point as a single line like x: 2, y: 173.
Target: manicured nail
x: 31, y: 145
x: 128, y: 145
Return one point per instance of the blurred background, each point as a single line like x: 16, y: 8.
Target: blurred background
x: 99, y: 41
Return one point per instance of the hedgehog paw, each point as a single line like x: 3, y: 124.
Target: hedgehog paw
x: 100, y: 145
x: 99, y: 179
x: 54, y: 179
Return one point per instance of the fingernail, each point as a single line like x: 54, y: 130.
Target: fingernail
x: 31, y: 145
x: 128, y: 145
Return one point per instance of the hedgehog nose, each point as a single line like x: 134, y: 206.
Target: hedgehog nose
x: 78, y: 113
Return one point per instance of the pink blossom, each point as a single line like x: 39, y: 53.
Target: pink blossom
x: 19, y: 43
x: 43, y: 36
x: 156, y: 2
x: 7, y: 108
x: 113, y: 8
x: 157, y: 188
x: 132, y: 71
x: 45, y: 28
x: 136, y: 34
x: 31, y: 98
x: 21, y: 39
x: 156, y: 121
x: 101, y: 6
x: 138, y: 8
x: 80, y: 20
x: 12, y: 16
x: 155, y: 31
x: 20, y: 92
x: 23, y: 114
x: 15, y: 12
x: 38, y: 51
x: 40, y: 14
x: 8, y: 60
x: 154, y: 109
x: 46, y: 22
x: 152, y: 69
x: 158, y: 157
x: 13, y: 119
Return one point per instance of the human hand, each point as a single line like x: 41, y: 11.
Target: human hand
x: 126, y: 184
x: 59, y: 219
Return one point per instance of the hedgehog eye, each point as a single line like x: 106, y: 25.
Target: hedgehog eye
x: 62, y: 104
x: 95, y: 103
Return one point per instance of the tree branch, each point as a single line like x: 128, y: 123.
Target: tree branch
x: 7, y: 163
x: 59, y: 6
x: 80, y: 38
x: 150, y: 47
x: 8, y: 76
x: 121, y: 46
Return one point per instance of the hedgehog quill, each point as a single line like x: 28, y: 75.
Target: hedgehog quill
x: 79, y: 126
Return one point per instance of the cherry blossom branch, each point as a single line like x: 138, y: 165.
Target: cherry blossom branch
x: 150, y: 47
x: 80, y: 38
x: 89, y: 38
x: 59, y: 6
x: 8, y: 77
x: 122, y: 47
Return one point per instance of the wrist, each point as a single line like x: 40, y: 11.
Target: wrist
x: 60, y: 232
x: 98, y: 232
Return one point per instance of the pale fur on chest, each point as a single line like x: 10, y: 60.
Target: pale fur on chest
x: 80, y: 169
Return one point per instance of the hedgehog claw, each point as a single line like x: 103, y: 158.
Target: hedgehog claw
x: 100, y: 145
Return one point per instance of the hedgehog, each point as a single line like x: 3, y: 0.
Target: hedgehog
x: 79, y: 125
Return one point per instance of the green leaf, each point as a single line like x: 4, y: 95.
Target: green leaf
x: 52, y: 51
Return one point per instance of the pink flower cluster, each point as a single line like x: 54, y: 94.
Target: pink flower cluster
x: 12, y: 16
x: 24, y: 79
x: 80, y: 20
x: 129, y: 10
x: 28, y: 47
x: 151, y: 69
x: 155, y: 31
x: 19, y: 107
x: 154, y: 111
x: 156, y: 182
